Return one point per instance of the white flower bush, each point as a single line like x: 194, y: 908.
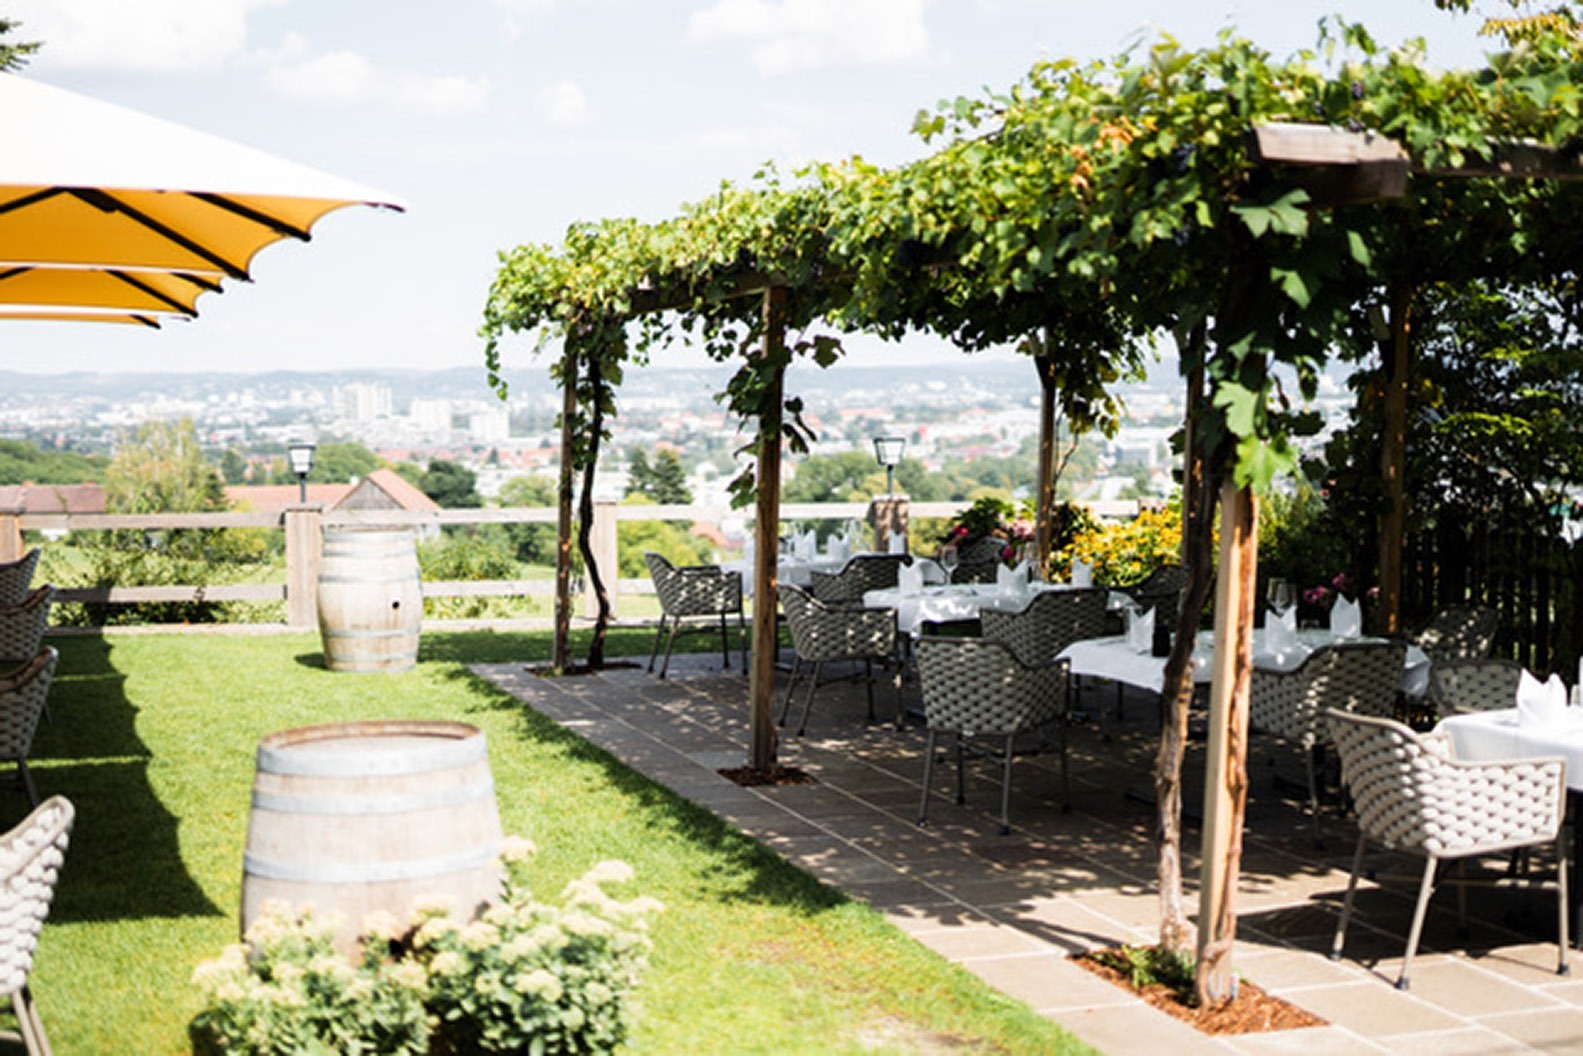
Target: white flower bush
x: 523, y: 977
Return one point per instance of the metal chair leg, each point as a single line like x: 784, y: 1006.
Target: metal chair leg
x: 807, y: 700
x: 670, y: 643
x: 1005, y: 787
x: 27, y: 782
x: 1563, y: 902
x: 659, y: 632
x: 868, y: 686
x: 28, y: 1022
x: 791, y: 683
x: 928, y: 772
x: 725, y: 644
x: 1426, y: 887
x: 961, y: 784
x: 1346, y: 903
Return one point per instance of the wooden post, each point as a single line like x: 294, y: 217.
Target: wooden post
x: 11, y: 547
x: 304, y: 554
x: 1397, y: 356
x: 761, y: 686
x: 561, y: 657
x: 1226, y: 763
x: 887, y: 514
x: 602, y: 539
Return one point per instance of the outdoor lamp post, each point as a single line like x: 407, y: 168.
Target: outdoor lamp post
x: 887, y: 451
x: 300, y: 454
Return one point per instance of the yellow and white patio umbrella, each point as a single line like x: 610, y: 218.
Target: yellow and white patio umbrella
x: 109, y: 215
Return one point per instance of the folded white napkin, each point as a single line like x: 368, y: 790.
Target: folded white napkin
x: 1140, y: 630
x: 1346, y: 619
x: 909, y: 578
x: 1011, y: 581
x: 898, y: 542
x: 1541, y: 703
x: 933, y: 574
x: 1082, y: 574
x: 1279, y: 633
x: 839, y: 551
x: 805, y: 546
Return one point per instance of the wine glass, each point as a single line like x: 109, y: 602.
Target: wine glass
x: 1282, y: 596
x: 949, y: 558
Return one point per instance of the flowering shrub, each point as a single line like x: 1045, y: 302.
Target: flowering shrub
x: 289, y: 991
x: 527, y: 976
x: 993, y: 518
x: 1123, y: 554
x: 522, y: 977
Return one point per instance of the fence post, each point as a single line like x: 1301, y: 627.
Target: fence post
x: 304, y: 551
x: 602, y: 540
x: 888, y: 513
x: 10, y: 535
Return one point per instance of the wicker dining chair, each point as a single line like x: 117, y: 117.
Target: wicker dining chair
x: 31, y: 856
x: 1459, y: 632
x: 980, y: 691
x: 23, y: 692
x: 1486, y: 683
x: 692, y: 594
x: 16, y: 577
x: 980, y: 560
x: 22, y: 626
x: 1413, y: 796
x: 824, y: 634
x: 861, y: 574
x: 1363, y: 678
x: 1052, y: 620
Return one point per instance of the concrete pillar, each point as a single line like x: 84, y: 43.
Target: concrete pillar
x: 886, y: 514
x: 602, y: 540
x: 304, y: 553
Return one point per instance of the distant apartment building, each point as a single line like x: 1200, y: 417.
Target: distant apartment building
x: 430, y: 414
x: 362, y: 401
x: 489, y: 425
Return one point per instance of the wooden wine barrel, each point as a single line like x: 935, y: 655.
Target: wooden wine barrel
x: 363, y: 816
x: 370, y: 600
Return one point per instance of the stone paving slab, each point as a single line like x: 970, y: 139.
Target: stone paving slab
x: 1010, y: 908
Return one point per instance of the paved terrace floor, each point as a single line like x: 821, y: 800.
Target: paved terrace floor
x: 1013, y: 908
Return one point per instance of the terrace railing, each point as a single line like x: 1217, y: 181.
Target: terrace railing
x: 304, y: 527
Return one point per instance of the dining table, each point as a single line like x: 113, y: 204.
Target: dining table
x: 950, y: 602
x: 1114, y: 658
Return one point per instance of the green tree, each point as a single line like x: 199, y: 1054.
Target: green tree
x: 850, y: 476
x: 533, y: 544
x: 338, y: 462
x: 669, y: 484
x: 451, y: 485
x: 160, y: 468
x: 639, y: 474
x: 14, y: 54
x: 22, y: 462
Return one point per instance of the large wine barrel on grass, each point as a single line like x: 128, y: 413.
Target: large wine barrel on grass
x: 363, y: 816
x: 370, y: 600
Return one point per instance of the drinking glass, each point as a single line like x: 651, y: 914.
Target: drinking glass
x: 1282, y: 596
x: 948, y: 559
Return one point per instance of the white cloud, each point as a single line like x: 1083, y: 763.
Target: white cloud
x: 346, y: 78
x: 790, y: 35
x: 563, y: 104
x: 165, y: 35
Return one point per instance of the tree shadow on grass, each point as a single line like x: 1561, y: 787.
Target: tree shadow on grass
x: 528, y: 647
x: 124, y: 861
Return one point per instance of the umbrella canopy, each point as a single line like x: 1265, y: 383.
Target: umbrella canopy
x: 110, y: 215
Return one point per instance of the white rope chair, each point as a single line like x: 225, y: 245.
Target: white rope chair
x: 1459, y: 632
x: 23, y: 692
x: 1052, y: 620
x: 31, y: 856
x: 861, y: 574
x: 22, y: 626
x: 692, y: 593
x: 16, y: 577
x: 1358, y: 677
x: 975, y: 689
x: 1411, y: 795
x: 1486, y: 683
x: 823, y: 634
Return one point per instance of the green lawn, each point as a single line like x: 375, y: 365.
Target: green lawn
x: 153, y: 739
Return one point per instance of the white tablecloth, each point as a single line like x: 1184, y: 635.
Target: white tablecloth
x: 798, y: 572
x: 1491, y: 735
x: 1114, y: 659
x: 960, y: 601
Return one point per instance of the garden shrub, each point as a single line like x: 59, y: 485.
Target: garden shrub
x: 522, y: 977
x: 1123, y: 554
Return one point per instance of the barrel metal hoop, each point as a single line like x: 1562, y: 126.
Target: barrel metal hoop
x: 398, y: 632
x: 371, y: 805
x: 367, y: 872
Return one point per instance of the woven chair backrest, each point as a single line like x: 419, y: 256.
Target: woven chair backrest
x: 861, y: 574
x: 980, y: 686
x: 693, y: 591
x: 1459, y: 632
x: 22, y: 695
x: 31, y: 856
x: 820, y: 632
x: 1487, y: 683
x: 1053, y: 620
x: 16, y: 577
x: 1410, y: 795
x: 1362, y: 678
x: 22, y: 626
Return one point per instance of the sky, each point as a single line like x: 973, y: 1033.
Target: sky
x: 501, y: 122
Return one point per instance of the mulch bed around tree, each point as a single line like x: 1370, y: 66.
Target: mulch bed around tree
x: 1253, y: 1011
x: 748, y: 777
